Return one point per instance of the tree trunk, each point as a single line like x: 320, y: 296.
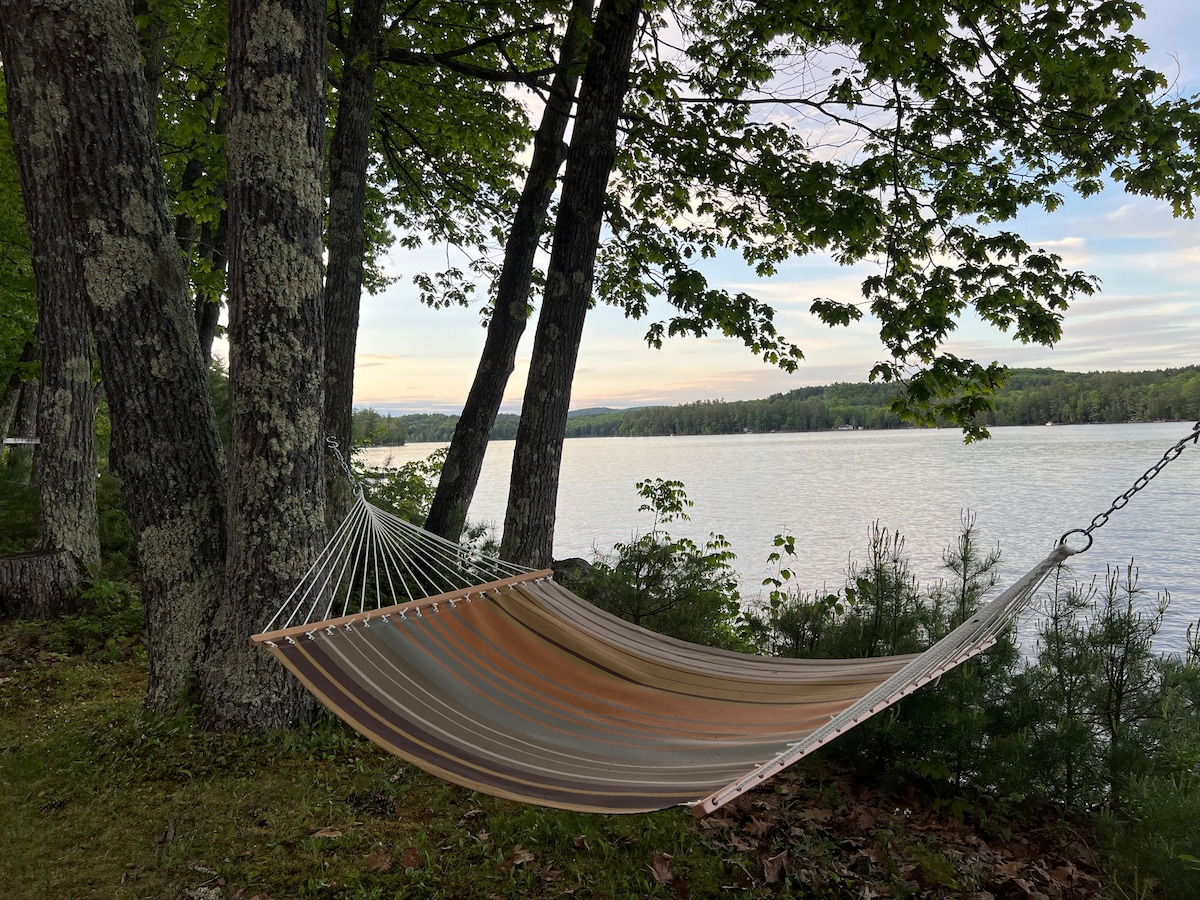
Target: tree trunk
x: 91, y: 130
x: 65, y: 459
x: 12, y: 392
x: 464, y: 458
x: 39, y: 585
x: 533, y: 492
x: 349, y: 154
x: 64, y: 462
x: 276, y: 492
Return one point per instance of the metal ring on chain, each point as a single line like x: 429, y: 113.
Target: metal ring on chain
x: 1086, y: 532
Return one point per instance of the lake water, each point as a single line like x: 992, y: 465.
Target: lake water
x: 1025, y: 486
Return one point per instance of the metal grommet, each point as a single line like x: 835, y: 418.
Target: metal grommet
x: 1062, y: 541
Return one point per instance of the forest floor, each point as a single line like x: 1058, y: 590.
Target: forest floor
x: 97, y: 802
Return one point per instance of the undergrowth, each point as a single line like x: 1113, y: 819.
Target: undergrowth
x: 1075, y: 775
x: 96, y: 801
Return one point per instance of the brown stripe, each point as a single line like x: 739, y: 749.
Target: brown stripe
x: 405, y: 739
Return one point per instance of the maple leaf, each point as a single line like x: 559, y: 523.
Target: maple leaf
x: 660, y: 867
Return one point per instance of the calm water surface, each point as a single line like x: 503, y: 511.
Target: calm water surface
x: 1025, y: 486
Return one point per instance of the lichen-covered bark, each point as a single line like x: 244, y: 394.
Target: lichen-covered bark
x: 276, y: 510
x: 93, y: 133
x: 533, y: 492
x: 65, y: 459
x: 464, y: 458
x: 349, y: 152
x: 64, y: 463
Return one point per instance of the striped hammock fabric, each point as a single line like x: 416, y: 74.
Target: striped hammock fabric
x: 520, y: 689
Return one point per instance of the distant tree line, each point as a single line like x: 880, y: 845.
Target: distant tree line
x: 1029, y: 397
x: 1036, y: 396
x: 385, y: 430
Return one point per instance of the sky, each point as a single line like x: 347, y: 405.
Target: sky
x: 1146, y: 314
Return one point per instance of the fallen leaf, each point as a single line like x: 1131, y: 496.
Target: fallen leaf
x: 326, y: 833
x: 411, y: 858
x: 740, y: 843
x: 379, y: 862
x: 759, y: 828
x: 815, y: 814
x: 660, y: 867
x: 519, y: 857
x: 774, y: 868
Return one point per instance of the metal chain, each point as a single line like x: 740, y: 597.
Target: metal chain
x: 332, y: 444
x: 1142, y: 481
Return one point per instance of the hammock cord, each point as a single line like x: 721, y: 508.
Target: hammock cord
x: 376, y: 560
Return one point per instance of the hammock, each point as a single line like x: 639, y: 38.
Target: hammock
x: 498, y: 679
x: 509, y: 684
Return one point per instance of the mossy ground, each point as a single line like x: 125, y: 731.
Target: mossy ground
x: 98, y: 802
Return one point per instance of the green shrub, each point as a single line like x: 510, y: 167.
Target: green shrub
x: 406, y: 490
x: 669, y: 585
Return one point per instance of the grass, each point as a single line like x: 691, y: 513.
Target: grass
x: 98, y: 802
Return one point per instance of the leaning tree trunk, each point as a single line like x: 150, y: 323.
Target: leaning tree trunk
x: 276, y: 146
x: 533, y: 492
x: 11, y: 397
x: 24, y: 423
x: 464, y: 458
x: 91, y: 130
x: 349, y: 154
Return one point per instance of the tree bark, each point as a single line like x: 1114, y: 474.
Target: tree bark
x: 349, y: 155
x: 65, y: 459
x: 12, y: 391
x: 276, y: 148
x: 39, y: 585
x: 464, y: 458
x: 533, y: 492
x: 92, y: 131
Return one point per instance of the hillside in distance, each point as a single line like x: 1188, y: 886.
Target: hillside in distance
x: 1029, y: 397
